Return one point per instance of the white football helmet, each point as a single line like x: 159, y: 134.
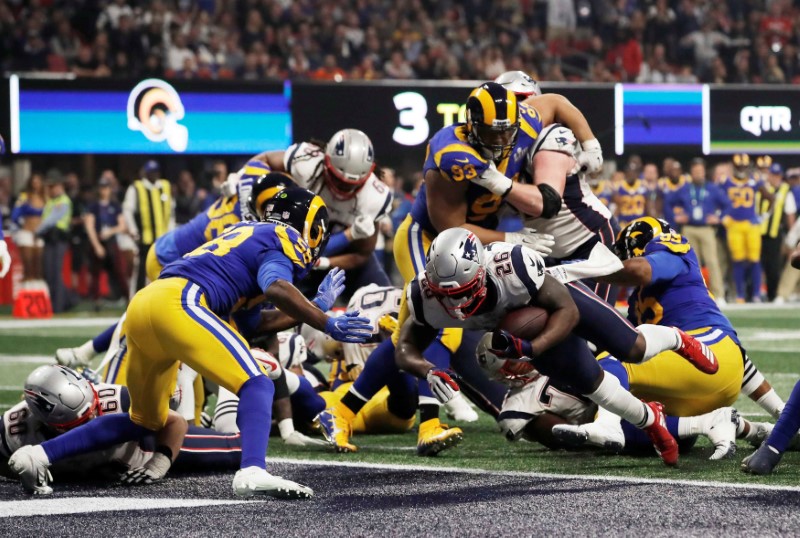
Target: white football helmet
x: 60, y: 397
x: 520, y: 83
x: 455, y: 272
x: 321, y: 345
x: 508, y: 372
x: 349, y: 161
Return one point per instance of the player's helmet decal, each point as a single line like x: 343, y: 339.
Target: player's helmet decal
x: 633, y: 238
x: 154, y: 109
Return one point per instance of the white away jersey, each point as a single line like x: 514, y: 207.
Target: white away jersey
x: 582, y: 214
x: 373, y: 302
x: 514, y: 275
x: 305, y: 163
x: 523, y: 404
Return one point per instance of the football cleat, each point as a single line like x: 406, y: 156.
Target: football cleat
x: 31, y: 464
x: 659, y: 435
x: 69, y: 357
x: 252, y: 481
x: 762, y: 461
x: 603, y: 434
x: 697, y: 353
x: 459, y: 409
x: 435, y: 437
x: 721, y: 430
x: 336, y: 429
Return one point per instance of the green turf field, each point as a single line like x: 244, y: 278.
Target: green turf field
x: 771, y: 336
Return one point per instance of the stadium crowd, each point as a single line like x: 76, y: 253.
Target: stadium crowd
x: 555, y: 40
x: 99, y: 236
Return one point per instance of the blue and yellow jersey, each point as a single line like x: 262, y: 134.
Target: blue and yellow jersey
x: 450, y: 153
x: 602, y: 189
x: 234, y: 269
x: 677, y: 295
x: 742, y: 194
x: 631, y: 201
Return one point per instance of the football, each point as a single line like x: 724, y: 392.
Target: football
x: 526, y: 322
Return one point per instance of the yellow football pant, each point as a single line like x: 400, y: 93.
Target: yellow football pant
x: 684, y: 390
x: 411, y: 244
x: 744, y: 241
x: 167, y: 322
x: 375, y: 416
x: 152, y: 266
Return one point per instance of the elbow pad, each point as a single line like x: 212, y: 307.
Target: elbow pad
x: 551, y: 201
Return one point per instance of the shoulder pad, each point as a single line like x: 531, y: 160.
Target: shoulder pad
x: 668, y: 242
x: 459, y: 161
x: 303, y: 161
x: 558, y: 138
x: 374, y: 199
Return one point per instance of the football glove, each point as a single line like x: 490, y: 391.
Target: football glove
x: 362, y: 228
x: 494, y: 181
x: 591, y: 156
x: 154, y: 470
x: 298, y: 439
x: 349, y: 328
x: 229, y: 186
x: 528, y: 237
x: 5, y: 259
x: 322, y: 264
x: 332, y: 286
x: 442, y: 385
x: 507, y: 346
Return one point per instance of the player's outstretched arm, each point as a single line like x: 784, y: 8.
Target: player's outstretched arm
x: 635, y: 272
x: 329, y: 290
x: 555, y: 108
x: 412, y: 341
x: 562, y: 317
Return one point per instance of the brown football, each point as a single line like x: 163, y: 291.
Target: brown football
x: 526, y: 322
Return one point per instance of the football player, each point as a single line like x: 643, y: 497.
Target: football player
x: 632, y: 195
x: 180, y: 316
x: 743, y: 226
x: 667, y: 187
x: 341, y: 172
x: 769, y: 454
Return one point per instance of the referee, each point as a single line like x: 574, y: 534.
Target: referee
x: 777, y: 218
x: 149, y: 210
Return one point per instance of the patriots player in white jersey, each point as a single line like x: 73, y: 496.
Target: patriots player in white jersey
x: 341, y: 172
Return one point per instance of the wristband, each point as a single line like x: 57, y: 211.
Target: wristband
x: 165, y: 450
x: 286, y: 427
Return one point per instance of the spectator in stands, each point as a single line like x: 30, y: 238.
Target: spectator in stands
x: 699, y: 206
x: 397, y: 67
x: 187, y: 203
x: 219, y: 173
x: 79, y: 243
x: 65, y: 43
x: 27, y: 216
x: 789, y: 277
x: 178, y: 52
x: 54, y: 229
x: 103, y: 221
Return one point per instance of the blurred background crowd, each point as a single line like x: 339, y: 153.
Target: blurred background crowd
x: 649, y: 41
x: 740, y: 215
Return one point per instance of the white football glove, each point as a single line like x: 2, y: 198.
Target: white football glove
x: 298, y: 439
x: 229, y: 186
x: 362, y: 228
x: 5, y: 259
x: 322, y: 264
x: 154, y: 470
x: 493, y: 180
x: 591, y: 156
x: 528, y: 237
x: 442, y: 385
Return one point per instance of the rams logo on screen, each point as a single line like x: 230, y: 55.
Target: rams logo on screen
x: 154, y: 109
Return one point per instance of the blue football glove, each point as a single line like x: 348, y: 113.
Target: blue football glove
x: 332, y: 286
x: 349, y: 328
x: 507, y: 346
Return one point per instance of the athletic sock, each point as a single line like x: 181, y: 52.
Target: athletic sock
x: 739, y: 274
x: 102, y: 341
x: 102, y: 432
x: 306, y: 402
x: 428, y: 411
x: 788, y: 424
x: 752, y: 378
x: 353, y: 402
x: 619, y: 401
x: 755, y: 279
x: 254, y: 418
x: 772, y: 403
x: 658, y: 338
x: 378, y: 371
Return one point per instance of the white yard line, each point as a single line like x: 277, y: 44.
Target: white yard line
x: 26, y: 359
x: 56, y: 323
x: 85, y: 505
x: 527, y: 474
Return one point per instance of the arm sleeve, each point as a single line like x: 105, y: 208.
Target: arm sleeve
x: 666, y: 266
x: 274, y: 266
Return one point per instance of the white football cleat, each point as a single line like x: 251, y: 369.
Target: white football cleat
x: 720, y: 427
x: 69, y: 357
x: 605, y: 433
x: 31, y: 464
x: 252, y: 481
x: 459, y: 409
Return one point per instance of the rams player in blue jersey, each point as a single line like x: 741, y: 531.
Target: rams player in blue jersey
x: 632, y: 195
x: 179, y: 317
x: 743, y: 227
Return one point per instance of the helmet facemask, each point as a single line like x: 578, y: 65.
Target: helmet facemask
x: 463, y: 301
x: 343, y: 186
x: 494, y: 142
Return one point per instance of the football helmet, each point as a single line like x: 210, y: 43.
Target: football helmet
x: 265, y: 187
x: 506, y: 371
x: 60, y: 397
x: 520, y: 83
x: 455, y: 272
x: 349, y: 161
x: 741, y: 164
x: 632, y: 239
x: 765, y: 161
x: 304, y: 211
x: 492, y: 120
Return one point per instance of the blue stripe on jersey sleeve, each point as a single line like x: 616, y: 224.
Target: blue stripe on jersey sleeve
x: 274, y: 266
x: 415, y: 295
x: 518, y: 261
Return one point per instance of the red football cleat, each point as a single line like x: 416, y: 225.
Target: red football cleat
x: 659, y: 435
x: 697, y: 353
